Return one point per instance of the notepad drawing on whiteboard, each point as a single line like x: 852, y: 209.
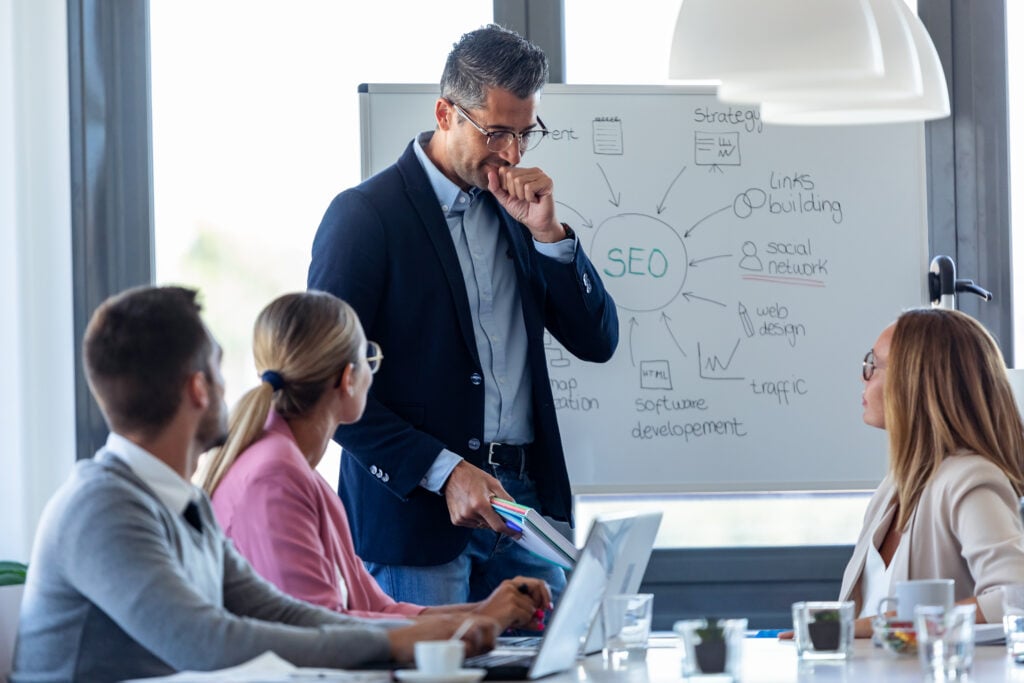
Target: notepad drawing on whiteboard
x: 538, y: 536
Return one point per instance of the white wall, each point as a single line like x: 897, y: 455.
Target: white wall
x: 37, y: 418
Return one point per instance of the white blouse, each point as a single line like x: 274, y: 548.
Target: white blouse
x: 876, y: 581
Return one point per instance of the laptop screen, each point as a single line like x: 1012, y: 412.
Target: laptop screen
x: 628, y: 569
x: 609, y: 542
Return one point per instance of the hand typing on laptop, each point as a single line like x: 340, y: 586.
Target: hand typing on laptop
x: 515, y: 603
x: 526, y: 599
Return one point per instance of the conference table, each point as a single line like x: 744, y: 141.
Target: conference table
x: 768, y: 660
x: 764, y: 660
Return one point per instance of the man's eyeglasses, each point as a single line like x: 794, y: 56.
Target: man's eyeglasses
x: 500, y: 140
x: 869, y: 366
x: 373, y: 356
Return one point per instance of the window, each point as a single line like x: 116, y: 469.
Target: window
x: 606, y: 44
x: 256, y: 128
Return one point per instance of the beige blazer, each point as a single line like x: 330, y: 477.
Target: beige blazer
x: 966, y: 527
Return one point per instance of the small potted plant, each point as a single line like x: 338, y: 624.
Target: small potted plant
x: 824, y: 630
x: 710, y: 651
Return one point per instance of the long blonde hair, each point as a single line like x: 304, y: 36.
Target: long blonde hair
x: 947, y: 389
x: 307, y: 339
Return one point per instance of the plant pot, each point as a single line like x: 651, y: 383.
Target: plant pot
x: 710, y: 656
x: 824, y: 635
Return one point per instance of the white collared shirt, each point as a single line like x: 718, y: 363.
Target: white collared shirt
x: 169, y: 487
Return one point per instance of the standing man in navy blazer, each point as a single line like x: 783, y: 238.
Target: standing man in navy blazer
x: 456, y: 262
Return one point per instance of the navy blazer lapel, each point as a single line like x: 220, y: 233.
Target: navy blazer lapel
x: 422, y: 197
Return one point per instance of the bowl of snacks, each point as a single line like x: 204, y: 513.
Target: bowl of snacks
x: 898, y: 637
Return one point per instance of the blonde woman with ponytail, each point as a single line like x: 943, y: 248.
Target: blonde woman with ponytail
x: 949, y: 505
x: 315, y: 367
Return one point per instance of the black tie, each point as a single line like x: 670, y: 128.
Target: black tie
x: 191, y: 515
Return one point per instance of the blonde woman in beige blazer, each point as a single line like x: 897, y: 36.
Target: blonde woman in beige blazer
x: 948, y: 507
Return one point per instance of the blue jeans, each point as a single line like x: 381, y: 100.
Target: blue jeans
x: 489, y: 559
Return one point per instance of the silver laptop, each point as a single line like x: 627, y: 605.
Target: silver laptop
x: 627, y: 570
x: 610, y: 539
x: 627, y: 574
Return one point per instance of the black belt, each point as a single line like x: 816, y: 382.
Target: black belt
x: 504, y: 455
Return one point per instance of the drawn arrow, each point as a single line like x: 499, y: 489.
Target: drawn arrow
x: 694, y: 226
x: 695, y: 261
x: 616, y: 198
x: 691, y: 295
x: 587, y: 223
x: 632, y: 324
x: 665, y: 319
x: 661, y: 204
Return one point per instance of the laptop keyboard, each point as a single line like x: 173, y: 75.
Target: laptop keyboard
x: 494, y: 659
x: 519, y: 641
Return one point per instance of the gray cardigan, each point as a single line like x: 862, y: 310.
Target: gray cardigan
x: 120, y: 587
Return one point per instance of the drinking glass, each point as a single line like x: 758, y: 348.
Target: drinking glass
x: 945, y: 641
x: 1013, y: 620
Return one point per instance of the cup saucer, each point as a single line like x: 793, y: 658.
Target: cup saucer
x: 457, y: 676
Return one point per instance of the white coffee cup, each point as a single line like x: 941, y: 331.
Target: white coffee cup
x: 910, y: 594
x: 439, y: 657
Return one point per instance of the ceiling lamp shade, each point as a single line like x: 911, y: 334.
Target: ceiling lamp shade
x: 780, y: 41
x: 901, y: 76
x: 931, y: 103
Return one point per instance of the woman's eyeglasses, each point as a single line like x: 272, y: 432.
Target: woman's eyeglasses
x: 373, y: 356
x: 869, y: 366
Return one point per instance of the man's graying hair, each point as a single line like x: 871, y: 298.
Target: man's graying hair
x: 492, y: 57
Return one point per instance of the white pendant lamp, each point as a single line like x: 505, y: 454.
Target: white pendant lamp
x: 782, y: 41
x: 932, y: 103
x: 901, y: 76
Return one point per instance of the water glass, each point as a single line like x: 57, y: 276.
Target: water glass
x: 711, y: 646
x: 945, y: 641
x: 823, y: 630
x: 627, y: 625
x: 1013, y: 620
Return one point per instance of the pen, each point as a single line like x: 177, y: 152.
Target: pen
x: 462, y: 629
x: 538, y: 615
x: 769, y: 633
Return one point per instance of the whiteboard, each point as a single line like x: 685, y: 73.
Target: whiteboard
x: 752, y: 266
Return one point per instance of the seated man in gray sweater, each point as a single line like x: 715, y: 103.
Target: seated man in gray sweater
x: 130, y: 575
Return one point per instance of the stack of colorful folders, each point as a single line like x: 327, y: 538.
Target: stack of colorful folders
x: 538, y: 536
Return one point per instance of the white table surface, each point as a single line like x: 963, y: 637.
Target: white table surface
x: 766, y: 660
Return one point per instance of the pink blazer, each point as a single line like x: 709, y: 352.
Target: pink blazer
x: 290, y: 524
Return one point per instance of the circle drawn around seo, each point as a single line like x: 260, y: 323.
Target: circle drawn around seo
x: 642, y: 261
